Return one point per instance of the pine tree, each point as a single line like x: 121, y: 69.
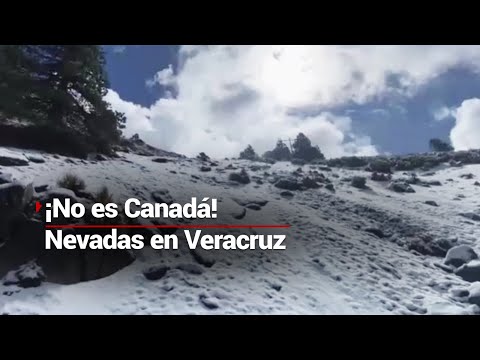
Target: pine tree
x: 303, y: 149
x: 249, y: 154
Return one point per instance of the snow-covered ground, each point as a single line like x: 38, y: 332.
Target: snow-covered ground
x: 331, y: 265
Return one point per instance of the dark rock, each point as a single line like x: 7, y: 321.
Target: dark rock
x: 240, y: 214
x: 476, y: 183
x: 202, y: 258
x: 162, y: 196
x: 359, y: 182
x: 286, y: 194
x: 474, y: 294
x: 27, y: 276
x: 253, y: 206
x: 246, y: 201
x: 431, y: 203
x: 193, y: 269
x: 459, y: 255
x: 309, y: 183
x: 330, y: 187
x: 433, y: 183
x: 288, y: 184
x: 203, y: 157
x: 13, y: 161
x: 380, y: 165
x: 70, y: 161
x: 427, y: 246
x: 460, y: 293
x: 101, y: 157
x: 41, y: 188
x: 195, y: 177
x: 36, y: 159
x: 240, y: 177
x: 400, y: 187
x: 380, y: 177
x: 210, y: 304
x: 276, y: 287
x: 160, y: 160
x: 324, y: 168
x: 173, y: 172
x: 469, y: 272
x: 5, y: 178
x: 375, y: 231
x: 471, y: 216
x: 467, y: 176
x: 11, y: 196
x: 156, y: 272
x: 205, y: 168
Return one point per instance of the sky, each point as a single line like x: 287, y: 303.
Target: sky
x: 348, y: 99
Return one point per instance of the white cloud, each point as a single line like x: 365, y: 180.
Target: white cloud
x: 466, y: 133
x: 443, y: 113
x: 164, y: 77
x: 231, y: 96
x: 119, y: 49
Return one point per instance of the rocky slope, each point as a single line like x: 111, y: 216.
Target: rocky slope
x: 364, y: 239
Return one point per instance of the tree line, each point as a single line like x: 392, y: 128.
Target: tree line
x: 60, y: 87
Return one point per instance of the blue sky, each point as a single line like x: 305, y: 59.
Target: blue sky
x: 348, y: 100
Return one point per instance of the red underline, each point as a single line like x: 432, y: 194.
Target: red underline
x: 190, y: 226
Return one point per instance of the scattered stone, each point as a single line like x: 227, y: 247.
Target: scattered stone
x: 427, y: 246
x: 26, y: 276
x: 309, y: 183
x: 70, y: 161
x: 467, y: 176
x: 286, y: 194
x: 101, y: 157
x: 474, y: 294
x: 205, y: 168
x: 209, y: 303
x: 460, y: 292
x: 195, y: 177
x: 324, y: 168
x: 276, y: 287
x: 155, y: 272
x: 377, y: 232
x: 240, y: 214
x: 359, y: 182
x: 380, y: 177
x: 431, y: 203
x: 240, y: 177
x: 36, y: 159
x: 288, y: 184
x: 471, y: 216
x: 193, y: 269
x: 41, y: 188
x: 330, y: 187
x: 13, y: 161
x: 253, y: 206
x: 400, y: 187
x: 160, y: 160
x: 203, y: 157
x: 476, y: 183
x: 459, y: 255
x: 5, y: 178
x: 173, y: 172
x: 469, y: 272
x: 162, y: 196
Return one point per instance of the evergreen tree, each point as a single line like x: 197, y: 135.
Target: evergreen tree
x: 62, y: 86
x: 440, y: 145
x: 249, y: 154
x: 303, y: 149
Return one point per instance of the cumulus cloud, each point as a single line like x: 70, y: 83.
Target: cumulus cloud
x: 443, y: 113
x: 465, y: 134
x: 231, y: 96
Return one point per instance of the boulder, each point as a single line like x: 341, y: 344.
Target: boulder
x: 12, y: 159
x: 330, y: 187
x: 286, y: 194
x: 203, y: 157
x: 309, y: 183
x: 205, y: 169
x: 431, y: 203
x: 467, y: 176
x: 162, y: 196
x: 26, y: 276
x: 155, y: 272
x: 474, y: 294
x: 190, y: 268
x: 359, y: 182
x: 470, y: 216
x: 470, y: 271
x: 476, y: 183
x: 400, y: 187
x: 427, y: 246
x: 288, y: 184
x: 459, y: 255
x: 35, y: 159
x: 375, y: 231
x: 380, y: 177
x: 240, y: 177
x: 160, y: 160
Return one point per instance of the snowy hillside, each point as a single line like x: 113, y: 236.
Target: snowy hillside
x: 350, y: 249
